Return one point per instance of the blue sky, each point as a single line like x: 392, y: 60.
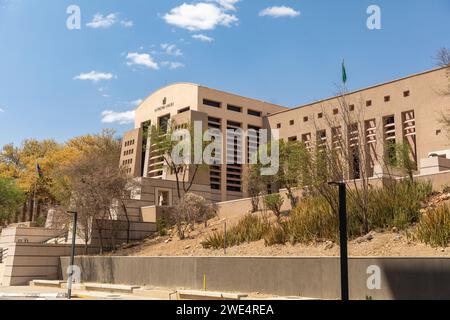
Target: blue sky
x: 60, y: 83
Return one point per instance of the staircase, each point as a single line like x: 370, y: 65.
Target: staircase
x: 3, y: 255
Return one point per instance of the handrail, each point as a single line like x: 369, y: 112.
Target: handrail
x: 4, y: 254
x: 64, y: 235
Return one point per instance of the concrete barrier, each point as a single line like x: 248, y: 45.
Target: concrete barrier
x: 400, y: 278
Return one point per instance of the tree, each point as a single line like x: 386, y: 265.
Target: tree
x: 344, y: 153
x: 11, y: 198
x: 256, y: 185
x: 165, y: 142
x: 274, y: 202
x: 96, y: 187
x: 190, y: 210
x: 443, y: 60
x: 403, y: 159
x: 292, y: 157
x: 19, y: 163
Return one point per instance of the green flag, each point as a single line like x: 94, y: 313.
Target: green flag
x: 344, y: 73
x: 39, y: 172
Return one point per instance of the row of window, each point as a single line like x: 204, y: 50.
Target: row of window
x: 216, y: 104
x: 129, y: 143
x: 389, y: 132
x: 127, y: 161
x: 128, y: 152
x: 351, y: 107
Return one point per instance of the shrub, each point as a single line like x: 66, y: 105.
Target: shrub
x: 313, y: 219
x: 161, y: 226
x: 276, y: 235
x: 251, y: 228
x: 397, y: 205
x: 434, y: 227
x: 190, y: 210
x: 274, y: 202
x: 446, y: 188
x: 40, y: 221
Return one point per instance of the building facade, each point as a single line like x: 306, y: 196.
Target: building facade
x: 408, y: 110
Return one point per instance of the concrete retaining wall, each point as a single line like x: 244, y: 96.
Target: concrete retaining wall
x: 401, y: 278
x: 29, y: 261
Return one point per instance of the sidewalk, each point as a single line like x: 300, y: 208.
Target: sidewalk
x: 55, y: 293
x: 46, y: 293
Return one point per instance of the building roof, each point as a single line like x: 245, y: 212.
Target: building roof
x: 361, y: 90
x: 201, y: 86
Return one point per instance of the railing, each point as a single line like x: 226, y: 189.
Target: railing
x: 3, y: 254
x: 63, y: 236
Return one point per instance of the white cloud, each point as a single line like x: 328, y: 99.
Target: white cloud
x: 94, y: 76
x: 109, y: 116
x: 228, y: 4
x: 172, y: 65
x: 202, y: 37
x: 171, y: 50
x: 278, y: 12
x: 136, y: 102
x: 2, y: 110
x: 200, y: 16
x: 127, y: 23
x: 104, y: 22
x: 143, y: 59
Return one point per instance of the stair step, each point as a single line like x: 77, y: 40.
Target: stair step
x: 118, y: 288
x: 46, y: 283
x: 209, y: 295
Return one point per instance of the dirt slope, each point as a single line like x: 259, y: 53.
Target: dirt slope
x: 376, y: 244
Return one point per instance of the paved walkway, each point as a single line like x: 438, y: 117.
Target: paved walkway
x: 46, y: 293
x: 50, y: 293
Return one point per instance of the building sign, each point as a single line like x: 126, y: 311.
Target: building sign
x: 165, y: 105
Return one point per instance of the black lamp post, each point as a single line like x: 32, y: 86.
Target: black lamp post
x: 343, y: 238
x: 72, y: 255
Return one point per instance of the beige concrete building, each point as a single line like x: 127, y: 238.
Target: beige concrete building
x: 404, y: 110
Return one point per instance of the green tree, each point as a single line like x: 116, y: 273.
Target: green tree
x: 11, y: 198
x: 184, y: 168
x: 293, y: 157
x: 274, y: 202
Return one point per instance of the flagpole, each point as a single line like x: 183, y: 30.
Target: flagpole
x: 33, y: 213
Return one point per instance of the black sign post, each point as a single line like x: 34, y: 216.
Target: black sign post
x: 343, y: 238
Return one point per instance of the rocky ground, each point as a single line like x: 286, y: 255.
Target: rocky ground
x: 390, y: 243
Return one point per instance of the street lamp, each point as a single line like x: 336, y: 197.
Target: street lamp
x: 343, y: 238
x: 72, y: 256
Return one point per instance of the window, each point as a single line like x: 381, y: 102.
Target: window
x: 278, y: 125
x: 233, y: 189
x: 211, y: 103
x: 254, y: 113
x: 320, y: 115
x: 184, y: 110
x: 368, y: 103
x: 291, y: 123
x: 292, y: 138
x: 234, y: 108
x: 335, y: 111
x: 387, y: 98
x: 351, y: 107
x: 163, y: 123
x: 438, y: 132
x: 305, y: 119
x: 406, y: 93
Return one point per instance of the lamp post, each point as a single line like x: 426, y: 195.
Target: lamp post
x: 225, y: 238
x: 343, y: 238
x: 72, y: 255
